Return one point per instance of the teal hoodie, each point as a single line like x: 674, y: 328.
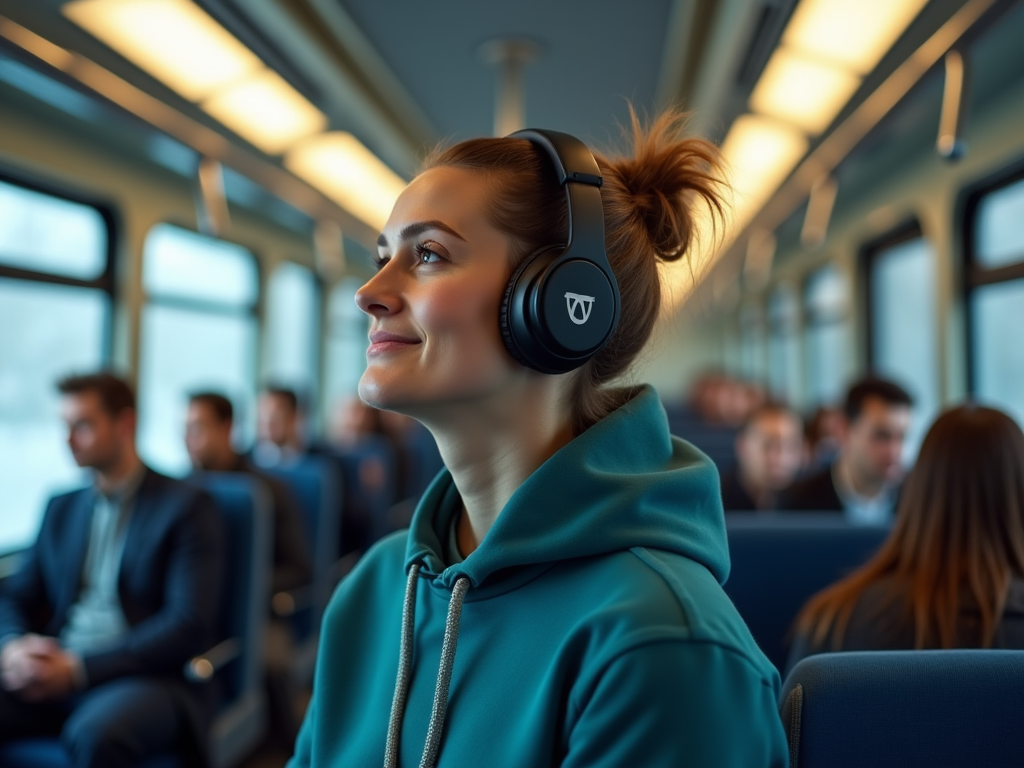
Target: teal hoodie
x: 594, y: 630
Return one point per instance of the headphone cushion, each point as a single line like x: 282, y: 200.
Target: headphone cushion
x: 504, y: 324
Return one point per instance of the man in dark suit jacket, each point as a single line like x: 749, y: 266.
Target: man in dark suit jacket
x: 119, y: 590
x: 863, y: 481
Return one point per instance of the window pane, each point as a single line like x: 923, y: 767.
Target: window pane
x: 998, y: 352
x: 182, y: 264
x: 999, y: 226
x: 826, y: 335
x: 50, y: 234
x: 46, y: 332
x: 752, y: 344
x: 903, y: 328
x: 293, y: 328
x: 783, y: 345
x: 346, y: 341
x: 183, y: 351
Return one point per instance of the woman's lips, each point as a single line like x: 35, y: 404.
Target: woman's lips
x: 382, y: 342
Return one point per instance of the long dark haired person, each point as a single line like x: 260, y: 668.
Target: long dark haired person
x: 951, y: 573
x: 557, y: 598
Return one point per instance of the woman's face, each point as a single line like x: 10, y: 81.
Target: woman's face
x: 434, y: 304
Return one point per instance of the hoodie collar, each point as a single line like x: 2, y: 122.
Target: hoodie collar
x: 624, y: 483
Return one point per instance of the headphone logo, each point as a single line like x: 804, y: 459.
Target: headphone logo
x: 577, y: 301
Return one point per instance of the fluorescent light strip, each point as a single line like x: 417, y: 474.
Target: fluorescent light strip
x: 347, y: 172
x: 173, y: 40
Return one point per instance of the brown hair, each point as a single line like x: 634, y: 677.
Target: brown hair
x: 958, y: 535
x: 114, y: 393
x: 649, y: 201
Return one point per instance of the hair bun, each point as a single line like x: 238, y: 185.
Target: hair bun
x: 662, y: 183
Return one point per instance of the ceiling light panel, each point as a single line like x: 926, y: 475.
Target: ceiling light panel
x: 347, y: 172
x: 760, y: 152
x: 802, y: 90
x: 850, y: 33
x: 173, y: 40
x: 266, y: 111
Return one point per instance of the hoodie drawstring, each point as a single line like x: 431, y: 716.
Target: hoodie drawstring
x: 444, y: 673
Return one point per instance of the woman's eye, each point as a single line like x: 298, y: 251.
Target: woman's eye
x: 426, y: 256
x: 380, y: 263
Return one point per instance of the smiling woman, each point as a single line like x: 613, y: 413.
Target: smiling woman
x: 565, y: 569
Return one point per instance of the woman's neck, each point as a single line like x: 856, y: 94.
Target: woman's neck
x: 491, y: 449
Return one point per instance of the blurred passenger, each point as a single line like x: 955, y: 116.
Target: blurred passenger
x: 951, y: 573
x: 863, y: 481
x: 353, y: 420
x: 119, y: 590
x: 279, y: 437
x: 208, y: 429
x: 769, y: 453
x: 823, y: 434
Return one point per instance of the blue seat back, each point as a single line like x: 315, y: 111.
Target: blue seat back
x: 315, y: 482
x: 371, y: 487
x: 780, y: 560
x: 245, y: 507
x: 913, y: 709
x: 50, y: 753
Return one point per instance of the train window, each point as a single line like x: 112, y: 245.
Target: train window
x: 998, y: 354
x: 995, y: 283
x: 784, y: 343
x: 903, y: 317
x: 293, y: 327
x: 198, y: 331
x: 46, y: 332
x: 999, y: 226
x: 825, y: 334
x: 346, y: 341
x: 42, y: 233
x: 55, y: 307
x: 752, y: 343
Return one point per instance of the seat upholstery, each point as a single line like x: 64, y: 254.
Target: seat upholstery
x: 48, y: 753
x: 780, y: 560
x: 913, y: 709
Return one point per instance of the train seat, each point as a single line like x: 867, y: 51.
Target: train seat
x: 236, y: 662
x: 315, y: 483
x: 48, y: 753
x: 914, y: 709
x: 779, y: 560
x: 371, y: 487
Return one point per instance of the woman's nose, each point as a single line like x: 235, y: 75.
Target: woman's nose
x: 377, y: 298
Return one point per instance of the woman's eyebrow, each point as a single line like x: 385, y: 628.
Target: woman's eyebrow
x: 419, y: 228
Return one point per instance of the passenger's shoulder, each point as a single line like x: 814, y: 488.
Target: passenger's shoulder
x: 379, y: 572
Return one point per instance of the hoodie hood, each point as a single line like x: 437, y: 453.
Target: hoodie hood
x: 624, y: 483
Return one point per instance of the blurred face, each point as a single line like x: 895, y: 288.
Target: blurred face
x: 434, y: 304
x: 770, y: 451
x: 207, y: 438
x: 97, y: 439
x: 277, y: 420
x: 874, y: 441
x: 353, y: 419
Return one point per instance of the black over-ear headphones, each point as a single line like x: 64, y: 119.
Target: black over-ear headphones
x: 562, y: 304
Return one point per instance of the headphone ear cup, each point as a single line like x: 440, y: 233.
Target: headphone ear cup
x: 504, y: 319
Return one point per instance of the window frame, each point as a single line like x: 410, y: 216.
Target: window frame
x: 871, y: 250
x: 975, y: 274
x: 106, y: 281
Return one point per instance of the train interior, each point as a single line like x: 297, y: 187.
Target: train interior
x: 191, y: 193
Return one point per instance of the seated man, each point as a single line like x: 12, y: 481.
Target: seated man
x: 863, y: 481
x: 769, y: 453
x: 119, y: 590
x: 279, y: 438
x: 208, y: 429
